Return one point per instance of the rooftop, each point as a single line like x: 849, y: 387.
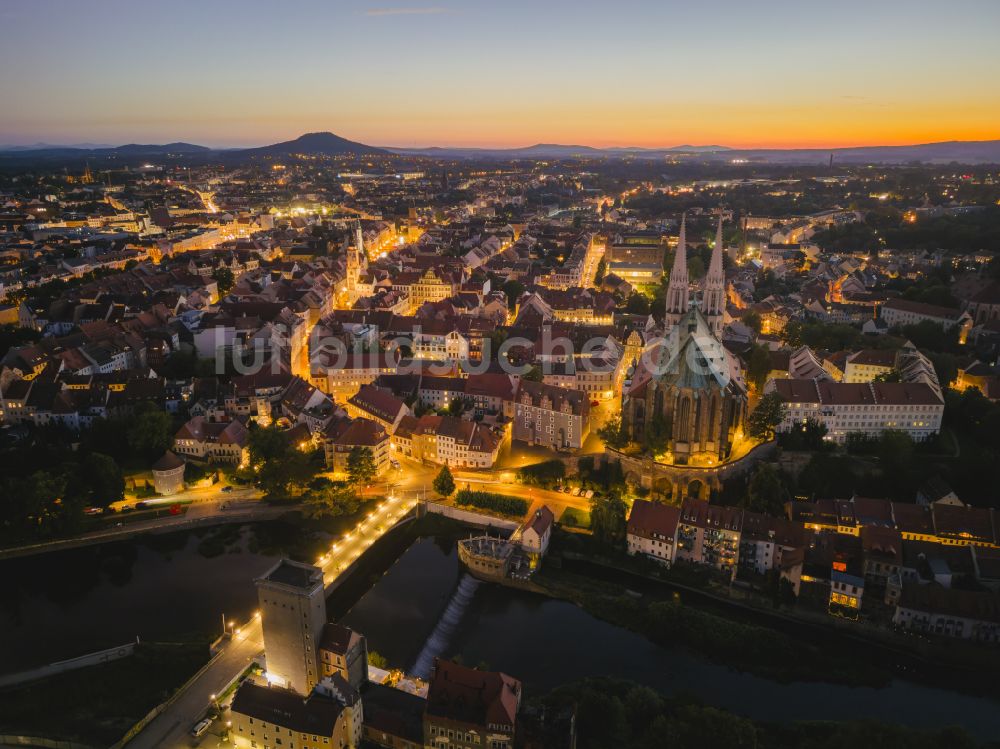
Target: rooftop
x: 294, y: 574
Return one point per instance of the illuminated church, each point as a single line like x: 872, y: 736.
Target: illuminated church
x: 687, y: 396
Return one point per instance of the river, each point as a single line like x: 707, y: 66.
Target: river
x: 411, y: 603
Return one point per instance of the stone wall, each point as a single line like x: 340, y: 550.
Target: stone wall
x: 677, y: 482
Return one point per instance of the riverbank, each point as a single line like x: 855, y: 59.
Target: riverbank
x: 98, y: 704
x: 548, y: 642
x: 746, y: 647
x: 620, y: 713
x: 778, y: 643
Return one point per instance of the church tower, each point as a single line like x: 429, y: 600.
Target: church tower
x: 353, y: 274
x: 714, y: 291
x: 359, y: 239
x: 678, y: 286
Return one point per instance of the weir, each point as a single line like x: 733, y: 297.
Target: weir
x: 446, y: 626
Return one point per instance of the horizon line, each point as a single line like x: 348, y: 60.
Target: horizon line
x: 93, y: 144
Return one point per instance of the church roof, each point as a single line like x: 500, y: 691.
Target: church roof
x: 690, y: 357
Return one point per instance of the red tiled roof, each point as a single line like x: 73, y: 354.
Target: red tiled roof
x: 648, y: 518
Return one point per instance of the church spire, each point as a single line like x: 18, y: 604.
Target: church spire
x: 715, y: 267
x: 678, y: 285
x: 714, y: 291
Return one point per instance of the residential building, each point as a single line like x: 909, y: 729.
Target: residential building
x: 340, y: 439
x: 915, y: 408
x: 344, y: 652
x: 270, y: 716
x: 219, y: 441
x: 470, y: 709
x: 900, y: 312
x: 379, y: 406
x: 652, y: 530
x: 535, y: 534
x: 709, y: 534
x: 551, y: 416
x: 949, y: 612
x: 846, y: 592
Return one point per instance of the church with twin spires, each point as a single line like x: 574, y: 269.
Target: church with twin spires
x: 687, y: 399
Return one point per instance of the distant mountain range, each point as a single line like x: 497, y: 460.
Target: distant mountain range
x: 328, y: 144
x: 48, y: 146
x: 550, y: 151
x: 45, y: 151
x: 972, y: 152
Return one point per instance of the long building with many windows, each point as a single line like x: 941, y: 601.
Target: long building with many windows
x: 869, y: 408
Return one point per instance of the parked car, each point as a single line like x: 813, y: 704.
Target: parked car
x: 94, y: 511
x: 141, y: 505
x: 227, y: 488
x: 200, y: 727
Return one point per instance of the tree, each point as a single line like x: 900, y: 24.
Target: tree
x: 224, y: 279
x: 613, y: 433
x: 765, y: 493
x: 770, y: 412
x: 444, y: 483
x: 377, y: 660
x: 104, y: 477
x: 928, y: 334
x: 758, y: 365
x: 808, y: 436
x: 752, y: 320
x: 513, y: 289
x: 893, y: 375
x: 278, y: 465
x: 533, y: 375
x: 332, y: 499
x: 11, y: 335
x: 545, y: 474
x: 361, y: 465
x: 151, y: 432
x: 602, y: 268
x: 608, y: 517
x: 637, y: 304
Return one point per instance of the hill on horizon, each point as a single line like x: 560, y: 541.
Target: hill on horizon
x: 319, y: 144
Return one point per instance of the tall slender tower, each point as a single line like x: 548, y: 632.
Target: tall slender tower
x: 359, y: 239
x: 353, y: 270
x: 714, y: 291
x: 678, y: 286
x: 293, y: 612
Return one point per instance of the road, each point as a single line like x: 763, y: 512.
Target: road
x: 171, y: 729
x: 240, y: 505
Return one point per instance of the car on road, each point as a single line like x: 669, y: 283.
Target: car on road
x: 200, y: 727
x: 227, y: 488
x: 141, y: 505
